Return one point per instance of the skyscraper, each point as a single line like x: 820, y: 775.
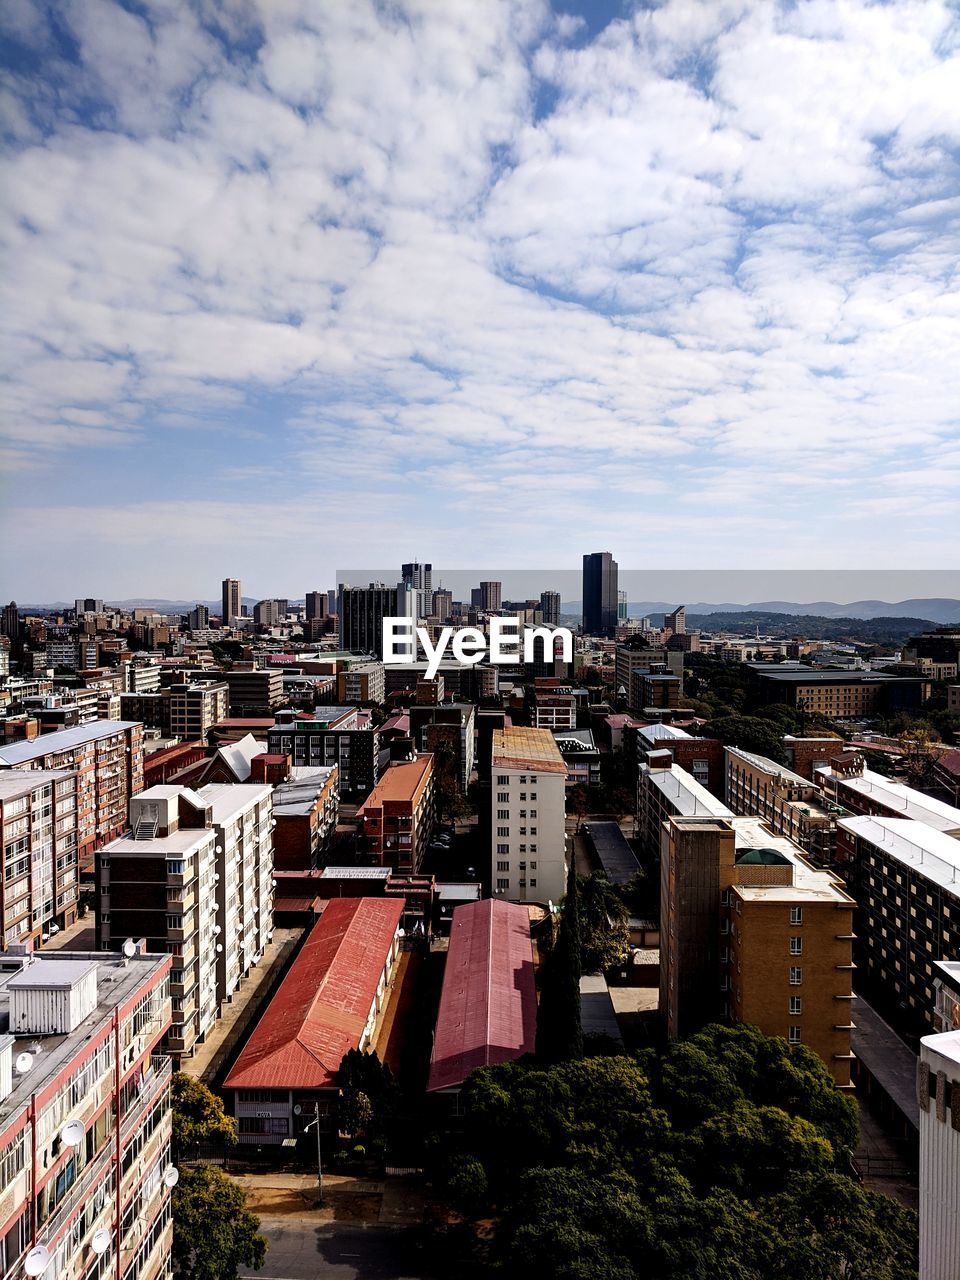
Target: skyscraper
x: 622, y: 607
x: 420, y: 578
x: 491, y: 594
x: 600, y: 594
x: 550, y: 608
x: 10, y: 621
x: 316, y: 602
x: 232, y: 601
x: 361, y: 611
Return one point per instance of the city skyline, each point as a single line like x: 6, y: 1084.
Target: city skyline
x: 494, y: 269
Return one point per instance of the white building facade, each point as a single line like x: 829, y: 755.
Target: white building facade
x: 528, y: 816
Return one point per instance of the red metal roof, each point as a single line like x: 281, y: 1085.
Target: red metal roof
x: 322, y: 1005
x: 488, y: 1006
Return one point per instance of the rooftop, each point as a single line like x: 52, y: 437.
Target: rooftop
x: 402, y: 781
x: 946, y: 1048
x: 184, y: 840
x: 618, y: 860
x: 914, y: 844
x: 63, y: 740
x: 657, y: 732
x: 227, y: 799
x: 488, y: 1005
x: 321, y: 1008
x: 766, y: 765
x: 756, y: 845
x: 908, y: 802
x: 809, y: 675
x: 19, y: 784
x: 689, y: 798
x: 520, y: 748
x: 118, y: 980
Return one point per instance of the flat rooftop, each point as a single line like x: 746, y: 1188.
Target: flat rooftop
x: 946, y: 1047
x: 659, y: 732
x: 613, y: 851
x: 908, y: 802
x: 63, y: 740
x: 891, y: 1062
x: 118, y: 980
x: 766, y: 765
x: 227, y: 799
x: 812, y: 675
x: 913, y: 844
x: 809, y: 883
x: 687, y: 796
x: 515, y: 747
x: 20, y: 783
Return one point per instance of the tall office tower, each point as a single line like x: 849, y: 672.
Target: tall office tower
x: 442, y: 604
x: 600, y: 594
x: 491, y: 595
x: 622, y: 607
x: 87, y: 604
x: 85, y: 1120
x: 420, y: 578
x: 266, y: 613
x: 550, y: 608
x: 232, y: 606
x: 316, y: 602
x: 10, y: 621
x: 199, y: 618
x: 676, y: 621
x: 361, y: 612
x: 476, y: 595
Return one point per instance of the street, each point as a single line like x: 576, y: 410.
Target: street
x: 304, y: 1250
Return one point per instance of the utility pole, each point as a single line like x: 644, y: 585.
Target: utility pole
x: 315, y: 1124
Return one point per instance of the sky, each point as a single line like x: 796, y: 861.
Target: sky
x: 293, y: 285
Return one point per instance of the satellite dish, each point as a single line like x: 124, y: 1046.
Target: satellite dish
x: 100, y: 1242
x: 129, y: 948
x: 218, y: 848
x: 171, y: 1177
x: 216, y: 877
x: 73, y: 1133
x: 44, y: 937
x: 217, y: 929
x: 24, y: 1063
x: 219, y: 947
x: 298, y: 1110
x: 37, y: 1261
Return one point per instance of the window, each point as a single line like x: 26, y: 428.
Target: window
x: 503, y: 814
x: 794, y: 1036
x: 533, y: 865
x: 796, y: 915
x: 503, y: 797
x: 533, y: 883
x: 503, y: 831
x: 796, y: 976
x: 503, y: 848
x: 503, y: 866
x: 503, y: 779
x: 796, y: 946
x: 503, y: 884
x: 796, y: 1005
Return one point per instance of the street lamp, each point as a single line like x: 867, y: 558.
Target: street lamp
x: 314, y: 1124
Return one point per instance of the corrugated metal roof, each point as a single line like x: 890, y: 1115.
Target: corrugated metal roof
x: 63, y: 740
x: 322, y: 1005
x: 488, y: 1006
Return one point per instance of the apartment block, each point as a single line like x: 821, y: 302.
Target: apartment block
x: 397, y: 818
x: 196, y: 708
x: 528, y: 816
x: 656, y: 659
x: 38, y: 839
x: 447, y: 722
x: 254, y: 693
x: 938, y: 1093
x: 667, y: 791
x: 107, y: 757
x: 305, y: 809
x: 653, y: 690
x: 861, y: 791
x: 789, y: 804
x: 85, y: 1117
x: 905, y: 877
x: 241, y: 815
x: 363, y: 683
x: 554, y: 709
x: 752, y: 932
x: 332, y: 736
x: 157, y: 883
x: 806, y: 755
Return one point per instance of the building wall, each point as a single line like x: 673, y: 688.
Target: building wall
x: 939, y: 1096
x: 529, y: 834
x: 38, y: 843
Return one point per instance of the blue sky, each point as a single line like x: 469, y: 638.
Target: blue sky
x: 293, y: 286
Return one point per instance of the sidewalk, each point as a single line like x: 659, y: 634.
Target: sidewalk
x: 375, y: 1201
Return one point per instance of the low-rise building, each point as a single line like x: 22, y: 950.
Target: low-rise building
x: 528, y: 815
x: 330, y: 1002
x: 554, y: 710
x: 397, y: 818
x: 488, y: 1004
x: 85, y: 1116
x: 362, y: 684
x: 38, y: 842
x: 305, y: 809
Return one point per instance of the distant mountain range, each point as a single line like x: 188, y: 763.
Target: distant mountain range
x: 939, y: 611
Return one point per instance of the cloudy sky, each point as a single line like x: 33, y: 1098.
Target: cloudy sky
x: 298, y: 284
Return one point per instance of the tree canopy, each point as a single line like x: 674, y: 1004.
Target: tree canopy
x: 723, y: 1157
x: 603, y: 917
x: 214, y: 1234
x: 198, y: 1115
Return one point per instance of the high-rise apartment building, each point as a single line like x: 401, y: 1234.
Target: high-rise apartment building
x: 550, y: 608
x: 87, y: 604
x: 419, y: 578
x: 38, y: 841
x: 600, y: 594
x: 107, y: 757
x: 938, y: 1093
x: 676, y: 621
x: 667, y: 791
x: 232, y: 601
x: 10, y: 620
x: 397, y: 818
x: 491, y: 596
x: 442, y: 605
x: 528, y: 815
x: 196, y: 708
x: 361, y: 611
x: 752, y: 932
x: 268, y: 613
x: 85, y: 1117
x: 198, y: 619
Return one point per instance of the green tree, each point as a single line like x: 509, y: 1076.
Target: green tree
x: 214, y: 1234
x: 198, y: 1115
x: 751, y: 733
x: 559, y: 1033
x: 603, y: 917
x: 364, y: 1076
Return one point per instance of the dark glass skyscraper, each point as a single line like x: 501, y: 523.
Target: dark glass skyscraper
x: 600, y: 594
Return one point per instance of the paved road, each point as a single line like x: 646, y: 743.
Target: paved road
x: 301, y: 1250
